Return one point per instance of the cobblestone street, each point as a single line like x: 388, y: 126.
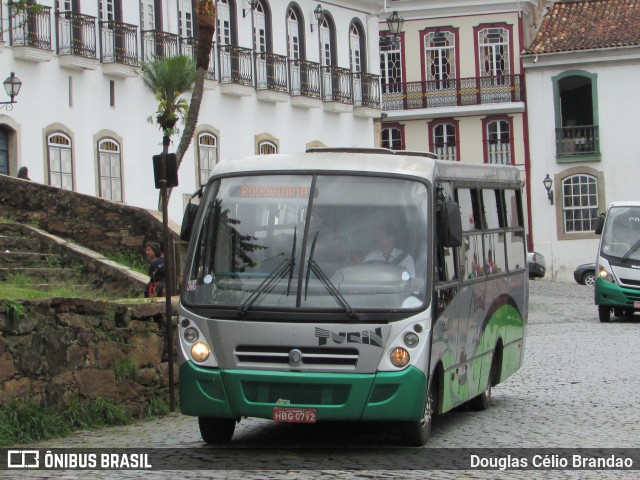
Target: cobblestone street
x: 578, y: 388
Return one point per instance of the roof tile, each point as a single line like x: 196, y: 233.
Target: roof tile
x: 573, y: 25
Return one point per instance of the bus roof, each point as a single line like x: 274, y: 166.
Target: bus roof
x: 625, y: 203
x: 371, y: 161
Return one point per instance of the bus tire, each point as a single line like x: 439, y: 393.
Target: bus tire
x: 216, y: 430
x: 604, y: 313
x: 483, y: 401
x: 416, y: 434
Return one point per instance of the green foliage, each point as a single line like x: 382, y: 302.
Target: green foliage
x: 129, y: 259
x: 126, y: 369
x: 27, y: 422
x: 158, y: 407
x: 15, y: 309
x: 167, y: 79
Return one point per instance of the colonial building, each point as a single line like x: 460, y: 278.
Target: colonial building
x: 583, y: 102
x: 284, y: 75
x: 452, y: 79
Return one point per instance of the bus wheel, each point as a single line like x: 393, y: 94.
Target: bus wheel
x: 604, y: 313
x: 416, y: 434
x: 216, y: 430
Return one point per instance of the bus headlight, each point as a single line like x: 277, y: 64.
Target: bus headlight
x: 400, y: 357
x: 200, y: 351
x: 605, y: 275
x: 411, y: 340
x: 190, y: 335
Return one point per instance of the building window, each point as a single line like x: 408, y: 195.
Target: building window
x: 185, y: 19
x: 493, y: 52
x: 439, y: 59
x: 260, y: 28
x: 580, y: 203
x: 207, y: 155
x: 110, y: 170
x: 60, y: 161
x: 106, y: 10
x: 294, y: 34
x: 391, y: 70
x: 393, y: 137
x: 147, y: 15
x: 355, y: 43
x: 498, y: 144
x: 576, y: 116
x: 267, y: 148
x: 444, y: 141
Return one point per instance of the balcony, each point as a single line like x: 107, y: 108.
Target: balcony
x: 236, y: 70
x: 304, y: 79
x: 337, y: 89
x: 118, y: 48
x: 76, y: 40
x: 272, y: 77
x: 452, y: 92
x: 30, y: 32
x: 157, y: 45
x: 366, y: 95
x: 580, y: 143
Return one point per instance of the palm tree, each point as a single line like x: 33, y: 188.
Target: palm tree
x: 168, y: 79
x: 205, y: 11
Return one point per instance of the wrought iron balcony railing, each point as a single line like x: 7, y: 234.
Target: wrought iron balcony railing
x: 76, y: 34
x: 271, y: 72
x: 452, y: 92
x: 236, y: 65
x: 336, y: 84
x: 30, y: 26
x: 366, y: 90
x: 580, y: 140
x: 304, y: 78
x: 119, y: 43
x: 189, y: 47
x: 158, y: 44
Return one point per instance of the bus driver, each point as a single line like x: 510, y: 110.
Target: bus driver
x: 388, y: 253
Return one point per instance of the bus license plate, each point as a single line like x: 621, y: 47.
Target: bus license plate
x: 294, y: 415
x: 636, y: 304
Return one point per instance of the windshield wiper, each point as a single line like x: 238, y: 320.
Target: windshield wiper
x: 285, y: 267
x: 631, y: 250
x: 312, y: 266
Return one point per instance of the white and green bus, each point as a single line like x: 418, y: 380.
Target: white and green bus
x: 617, y: 286
x: 294, y: 307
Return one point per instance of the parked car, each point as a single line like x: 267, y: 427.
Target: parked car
x: 585, y: 274
x: 536, y: 264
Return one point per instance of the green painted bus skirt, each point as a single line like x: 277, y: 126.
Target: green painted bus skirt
x: 211, y: 392
x: 613, y: 295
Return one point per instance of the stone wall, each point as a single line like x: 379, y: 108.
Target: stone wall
x: 55, y: 350
x: 90, y: 221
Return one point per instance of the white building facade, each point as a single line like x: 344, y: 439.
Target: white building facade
x: 280, y: 80
x: 582, y: 108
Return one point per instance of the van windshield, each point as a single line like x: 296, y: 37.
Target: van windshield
x: 325, y: 242
x: 621, y: 236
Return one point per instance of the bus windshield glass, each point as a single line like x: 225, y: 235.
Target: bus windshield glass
x: 348, y: 243
x: 621, y: 236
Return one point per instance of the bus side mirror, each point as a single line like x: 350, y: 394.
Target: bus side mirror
x: 599, y: 224
x: 450, y: 224
x: 188, y: 220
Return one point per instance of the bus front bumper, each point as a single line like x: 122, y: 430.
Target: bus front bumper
x: 613, y: 295
x: 210, y: 392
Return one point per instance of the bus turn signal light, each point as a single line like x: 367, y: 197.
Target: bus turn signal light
x: 400, y: 357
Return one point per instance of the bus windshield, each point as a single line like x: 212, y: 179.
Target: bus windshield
x: 621, y: 236
x: 311, y: 242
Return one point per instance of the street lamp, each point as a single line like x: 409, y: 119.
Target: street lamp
x: 395, y: 22
x: 547, y: 182
x: 252, y: 6
x: 12, y: 86
x: 318, y: 14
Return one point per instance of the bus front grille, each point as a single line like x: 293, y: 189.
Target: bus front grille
x: 312, y: 358
x: 295, y: 393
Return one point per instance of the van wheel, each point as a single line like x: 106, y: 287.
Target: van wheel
x: 604, y: 313
x: 216, y: 430
x: 416, y: 434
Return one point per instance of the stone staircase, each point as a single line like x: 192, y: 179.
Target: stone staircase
x: 38, y: 259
